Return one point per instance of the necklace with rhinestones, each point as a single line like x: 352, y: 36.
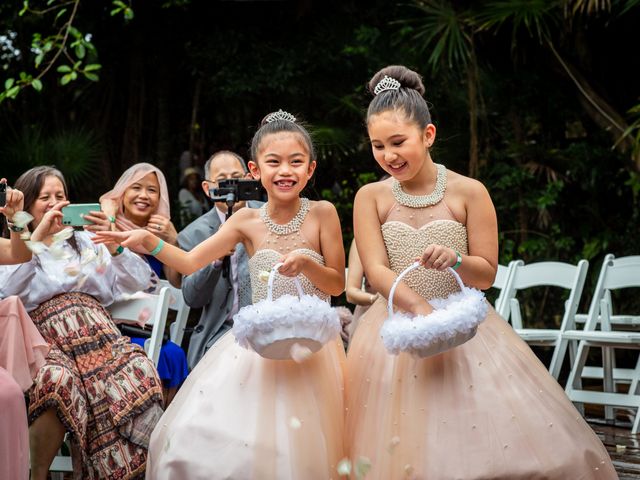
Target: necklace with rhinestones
x: 292, y: 226
x: 420, y: 201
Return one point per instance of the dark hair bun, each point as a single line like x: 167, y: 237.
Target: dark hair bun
x: 407, y: 78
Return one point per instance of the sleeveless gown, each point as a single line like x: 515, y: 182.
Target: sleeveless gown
x: 487, y: 409
x: 241, y: 416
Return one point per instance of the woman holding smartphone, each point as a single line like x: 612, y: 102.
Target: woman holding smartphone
x: 81, y: 388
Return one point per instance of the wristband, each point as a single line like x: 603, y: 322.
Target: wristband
x: 14, y: 228
x: 458, y: 261
x: 118, y: 251
x: 159, y: 247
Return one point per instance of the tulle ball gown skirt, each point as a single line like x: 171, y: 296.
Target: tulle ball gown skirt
x: 485, y: 410
x: 240, y: 416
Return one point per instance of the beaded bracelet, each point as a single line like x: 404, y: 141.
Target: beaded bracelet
x: 156, y: 250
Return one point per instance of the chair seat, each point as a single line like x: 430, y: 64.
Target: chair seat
x: 600, y: 338
x: 61, y: 464
x: 539, y: 335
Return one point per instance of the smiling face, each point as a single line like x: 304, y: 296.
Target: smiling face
x: 283, y: 165
x: 140, y: 199
x: 399, y: 145
x: 52, y: 192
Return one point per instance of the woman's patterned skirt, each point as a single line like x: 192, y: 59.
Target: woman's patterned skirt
x: 105, y: 390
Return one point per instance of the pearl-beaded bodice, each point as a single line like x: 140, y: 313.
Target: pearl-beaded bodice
x: 408, y: 231
x: 274, y: 245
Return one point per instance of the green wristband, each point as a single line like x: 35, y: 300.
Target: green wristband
x: 118, y: 251
x: 159, y: 247
x: 458, y: 261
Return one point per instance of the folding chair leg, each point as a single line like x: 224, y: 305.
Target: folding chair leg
x: 557, y: 359
x: 636, y: 423
x: 574, y: 382
x: 607, y: 379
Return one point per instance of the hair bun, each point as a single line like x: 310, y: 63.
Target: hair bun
x: 407, y: 78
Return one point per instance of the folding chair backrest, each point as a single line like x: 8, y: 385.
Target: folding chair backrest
x: 156, y: 307
x: 177, y: 303
x: 555, y: 274
x: 501, y: 282
x: 616, y: 273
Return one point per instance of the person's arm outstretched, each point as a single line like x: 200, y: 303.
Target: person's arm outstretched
x: 216, y: 246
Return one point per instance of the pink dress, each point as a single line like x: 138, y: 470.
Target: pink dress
x: 22, y: 353
x: 22, y: 348
x: 485, y: 410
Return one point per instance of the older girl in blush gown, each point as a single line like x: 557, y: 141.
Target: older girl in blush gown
x: 487, y: 409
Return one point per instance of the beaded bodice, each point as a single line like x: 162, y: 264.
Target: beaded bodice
x: 269, y: 252
x: 408, y: 231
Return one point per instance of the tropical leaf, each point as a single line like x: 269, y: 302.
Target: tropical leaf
x: 538, y: 17
x: 442, y: 30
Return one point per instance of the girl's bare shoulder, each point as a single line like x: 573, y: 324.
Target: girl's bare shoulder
x: 466, y: 186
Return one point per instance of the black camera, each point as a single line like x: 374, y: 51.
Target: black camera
x: 3, y: 194
x: 235, y: 190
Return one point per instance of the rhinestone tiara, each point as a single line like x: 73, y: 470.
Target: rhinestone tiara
x: 387, y: 83
x: 280, y: 115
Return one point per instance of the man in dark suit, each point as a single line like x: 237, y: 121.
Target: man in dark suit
x: 219, y: 295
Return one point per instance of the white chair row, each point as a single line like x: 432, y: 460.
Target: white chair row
x: 601, y: 327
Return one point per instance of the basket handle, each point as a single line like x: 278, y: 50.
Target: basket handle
x: 272, y: 275
x: 413, y: 266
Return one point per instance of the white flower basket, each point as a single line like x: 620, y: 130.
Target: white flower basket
x: 453, y: 322
x: 273, y: 327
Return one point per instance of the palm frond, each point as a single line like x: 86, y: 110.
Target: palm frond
x: 537, y: 17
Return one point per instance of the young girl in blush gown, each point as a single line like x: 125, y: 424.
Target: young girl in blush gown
x: 487, y: 409
x: 239, y: 415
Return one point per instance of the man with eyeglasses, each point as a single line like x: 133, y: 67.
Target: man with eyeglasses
x: 220, y: 296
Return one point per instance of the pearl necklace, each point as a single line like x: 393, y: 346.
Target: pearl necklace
x: 292, y: 226
x: 421, y: 201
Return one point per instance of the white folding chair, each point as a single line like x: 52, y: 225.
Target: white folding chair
x: 157, y: 307
x: 177, y: 303
x: 547, y: 274
x: 616, y: 273
x: 502, y: 277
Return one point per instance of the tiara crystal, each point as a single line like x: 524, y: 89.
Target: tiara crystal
x: 280, y: 115
x: 387, y: 83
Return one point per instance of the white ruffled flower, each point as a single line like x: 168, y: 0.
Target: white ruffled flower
x: 344, y: 467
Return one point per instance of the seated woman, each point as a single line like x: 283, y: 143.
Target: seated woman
x: 141, y: 199
x: 95, y: 384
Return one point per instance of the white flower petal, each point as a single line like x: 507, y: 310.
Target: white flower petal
x: 21, y: 219
x: 295, y: 423
x: 62, y: 235
x: 263, y: 276
x: 299, y: 353
x: 344, y: 467
x: 362, y: 467
x: 36, y: 247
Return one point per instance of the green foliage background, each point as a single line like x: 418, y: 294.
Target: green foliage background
x: 200, y: 75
